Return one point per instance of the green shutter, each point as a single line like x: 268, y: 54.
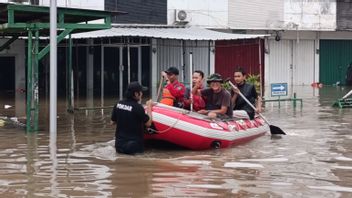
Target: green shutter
x: 335, y: 56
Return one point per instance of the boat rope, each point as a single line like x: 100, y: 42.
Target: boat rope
x: 170, y: 127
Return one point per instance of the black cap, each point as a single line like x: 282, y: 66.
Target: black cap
x: 172, y: 70
x: 135, y: 86
x: 215, y: 78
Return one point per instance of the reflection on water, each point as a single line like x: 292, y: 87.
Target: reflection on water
x: 313, y: 160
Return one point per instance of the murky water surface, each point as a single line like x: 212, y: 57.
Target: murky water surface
x: 313, y: 160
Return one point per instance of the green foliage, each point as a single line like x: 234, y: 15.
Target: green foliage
x: 251, y: 78
x: 227, y: 86
x: 255, y: 80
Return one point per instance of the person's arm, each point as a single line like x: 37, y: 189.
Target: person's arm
x: 196, y: 89
x: 259, y: 104
x: 149, y: 105
x: 222, y: 110
x: 258, y: 100
x: 113, y: 116
x: 178, y: 91
x: 166, y: 79
x: 198, y: 102
x: 234, y: 96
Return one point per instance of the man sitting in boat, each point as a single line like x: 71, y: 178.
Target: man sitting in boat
x: 173, y: 92
x: 197, y: 101
x: 248, y: 90
x: 130, y: 119
x: 218, y: 100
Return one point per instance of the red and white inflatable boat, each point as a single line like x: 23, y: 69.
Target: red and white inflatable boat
x: 197, y: 132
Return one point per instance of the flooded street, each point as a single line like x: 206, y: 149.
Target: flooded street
x: 314, y: 159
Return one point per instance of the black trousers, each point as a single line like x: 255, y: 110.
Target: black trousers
x: 130, y: 147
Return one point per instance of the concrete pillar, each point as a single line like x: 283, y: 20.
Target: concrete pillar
x: 20, y: 78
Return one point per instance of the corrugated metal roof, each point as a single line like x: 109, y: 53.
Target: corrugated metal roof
x: 164, y: 32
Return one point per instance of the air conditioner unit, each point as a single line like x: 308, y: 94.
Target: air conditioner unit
x: 182, y: 16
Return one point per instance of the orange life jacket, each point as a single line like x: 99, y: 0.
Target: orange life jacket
x: 167, y: 98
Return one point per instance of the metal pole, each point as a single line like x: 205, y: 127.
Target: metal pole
x: 140, y: 64
x: 128, y: 63
x: 29, y: 82
x: 36, y: 81
x: 102, y: 75
x: 53, y: 70
x: 260, y: 69
x: 294, y: 71
x: 183, y: 54
x: 70, y: 74
x: 291, y: 67
x: 90, y: 74
x: 67, y: 77
x: 190, y: 79
x: 121, y: 68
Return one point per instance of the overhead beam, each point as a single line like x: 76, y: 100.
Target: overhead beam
x: 61, y: 36
x: 83, y: 26
x: 8, y: 42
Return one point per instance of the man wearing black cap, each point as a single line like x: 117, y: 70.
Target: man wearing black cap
x: 173, y: 92
x: 130, y: 119
x: 218, y: 100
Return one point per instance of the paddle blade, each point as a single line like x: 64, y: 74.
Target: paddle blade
x: 7, y: 106
x: 276, y: 130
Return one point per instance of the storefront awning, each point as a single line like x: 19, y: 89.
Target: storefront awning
x: 166, y: 32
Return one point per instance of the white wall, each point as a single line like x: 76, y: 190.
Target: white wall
x: 310, y: 14
x: 202, y: 13
x: 291, y: 61
x: 10, y: 1
x: 278, y: 61
x: 83, y: 4
x: 17, y: 49
x: 283, y: 14
x: 255, y: 14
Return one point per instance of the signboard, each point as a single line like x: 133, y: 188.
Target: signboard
x: 279, y: 89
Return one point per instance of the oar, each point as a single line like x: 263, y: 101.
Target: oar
x: 160, y: 86
x: 273, y: 129
x: 347, y: 95
x: 190, y: 79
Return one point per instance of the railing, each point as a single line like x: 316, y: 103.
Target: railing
x: 294, y: 100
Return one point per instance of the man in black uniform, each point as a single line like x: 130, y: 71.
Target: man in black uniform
x: 130, y: 119
x: 248, y: 90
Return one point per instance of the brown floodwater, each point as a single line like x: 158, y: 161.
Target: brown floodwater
x: 314, y: 159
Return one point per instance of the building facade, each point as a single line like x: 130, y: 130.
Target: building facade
x: 308, y: 42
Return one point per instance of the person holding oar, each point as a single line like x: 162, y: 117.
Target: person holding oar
x: 173, y: 92
x: 248, y: 90
x: 274, y: 130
